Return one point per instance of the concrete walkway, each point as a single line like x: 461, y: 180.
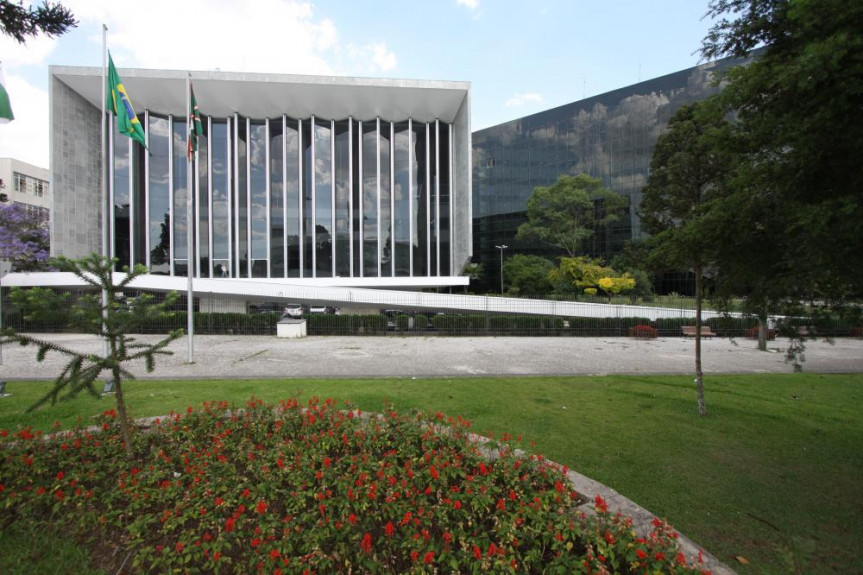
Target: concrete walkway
x: 394, y: 356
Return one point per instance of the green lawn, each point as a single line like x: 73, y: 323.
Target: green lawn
x: 771, y: 475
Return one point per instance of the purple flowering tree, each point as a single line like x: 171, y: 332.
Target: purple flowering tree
x: 24, y: 238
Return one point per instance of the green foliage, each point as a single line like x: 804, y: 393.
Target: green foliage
x: 42, y: 308
x: 793, y: 218
x: 107, y: 317
x: 567, y: 213
x: 526, y: 274
x: 589, y: 275
x: 459, y: 324
x: 50, y: 18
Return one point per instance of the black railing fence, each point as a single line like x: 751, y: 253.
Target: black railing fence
x: 241, y: 317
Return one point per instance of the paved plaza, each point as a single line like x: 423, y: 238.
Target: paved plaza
x: 227, y: 356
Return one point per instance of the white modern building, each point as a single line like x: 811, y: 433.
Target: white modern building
x: 26, y: 185
x: 301, y: 180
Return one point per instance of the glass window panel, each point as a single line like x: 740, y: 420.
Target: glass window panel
x: 159, y: 217
x: 258, y: 197
x: 241, y: 214
x: 385, y: 212
x: 139, y: 204
x: 308, y: 224
x: 433, y: 198
x: 370, y: 199
x: 323, y: 200
x: 180, y: 181
x: 357, y: 200
x: 292, y: 197
x: 444, y: 199
x: 420, y: 208
x: 277, y: 200
x: 122, y: 208
x: 221, y: 221
x: 401, y: 198
x: 203, y: 220
x: 343, y: 192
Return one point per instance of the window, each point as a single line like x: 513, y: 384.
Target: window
x: 20, y: 182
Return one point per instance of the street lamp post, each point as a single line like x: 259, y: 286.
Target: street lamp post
x: 501, y: 247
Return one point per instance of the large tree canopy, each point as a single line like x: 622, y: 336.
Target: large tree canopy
x: 565, y: 214
x: 50, y: 18
x: 798, y: 109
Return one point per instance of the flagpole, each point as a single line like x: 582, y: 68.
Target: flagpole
x: 190, y: 319
x: 104, y: 181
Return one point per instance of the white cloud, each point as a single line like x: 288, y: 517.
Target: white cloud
x: 26, y: 137
x: 276, y: 36
x: 371, y: 58
x: 520, y: 100
x: 470, y: 4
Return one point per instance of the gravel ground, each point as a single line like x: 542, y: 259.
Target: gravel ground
x: 393, y: 356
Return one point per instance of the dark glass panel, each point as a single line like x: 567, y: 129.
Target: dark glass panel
x: 159, y: 213
x: 343, y: 192
x: 277, y: 200
x: 258, y: 198
x: 445, y: 227
x: 323, y: 200
x: 292, y: 197
x: 419, y: 240
x: 402, y: 142
x: 122, y: 207
x: 386, y: 211
x: 370, y: 199
x: 308, y: 229
x: 221, y: 218
x: 241, y: 207
x: 203, y: 219
x: 181, y: 188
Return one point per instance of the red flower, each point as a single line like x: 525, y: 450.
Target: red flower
x: 352, y: 519
x: 641, y: 554
x: 477, y: 553
x: 59, y: 494
x: 435, y: 475
x: 429, y: 558
x: 229, y: 525
x: 327, y: 461
x: 447, y: 537
x: 366, y: 544
x: 60, y: 476
x: 217, y: 555
x: 601, y: 504
x: 261, y: 507
x: 274, y: 554
x: 501, y: 505
x: 179, y: 547
x: 415, y: 556
x: 456, y: 505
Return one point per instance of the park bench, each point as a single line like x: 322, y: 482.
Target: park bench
x: 689, y: 331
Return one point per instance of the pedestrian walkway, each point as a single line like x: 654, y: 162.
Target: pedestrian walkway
x: 230, y: 356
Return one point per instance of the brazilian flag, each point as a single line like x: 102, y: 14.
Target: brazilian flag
x: 118, y: 103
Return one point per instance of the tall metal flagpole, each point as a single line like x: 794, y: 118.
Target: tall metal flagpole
x: 104, y: 179
x: 190, y: 327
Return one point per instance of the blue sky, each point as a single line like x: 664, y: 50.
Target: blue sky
x: 521, y: 57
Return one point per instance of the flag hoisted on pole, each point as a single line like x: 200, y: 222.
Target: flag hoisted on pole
x: 196, y: 129
x: 6, y: 114
x: 106, y: 249
x: 193, y: 130
x: 119, y: 104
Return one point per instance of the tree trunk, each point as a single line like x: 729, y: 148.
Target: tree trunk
x: 699, y: 376
x: 762, y: 331
x: 124, y: 418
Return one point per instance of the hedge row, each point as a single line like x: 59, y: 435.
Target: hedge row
x: 377, y: 324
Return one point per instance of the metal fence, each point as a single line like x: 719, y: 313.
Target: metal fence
x: 456, y: 315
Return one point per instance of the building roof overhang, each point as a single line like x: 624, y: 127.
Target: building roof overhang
x: 221, y: 94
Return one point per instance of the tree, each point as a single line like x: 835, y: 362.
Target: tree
x: 567, y: 213
x: 111, y: 320
x: 686, y: 175
x: 51, y: 19
x: 24, y: 238
x: 797, y: 106
x: 528, y: 275
x: 589, y: 275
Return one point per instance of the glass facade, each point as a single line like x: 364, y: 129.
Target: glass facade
x: 610, y: 137
x: 286, y: 197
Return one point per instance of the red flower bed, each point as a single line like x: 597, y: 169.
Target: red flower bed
x: 317, y: 490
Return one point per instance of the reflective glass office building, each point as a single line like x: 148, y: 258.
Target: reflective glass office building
x: 610, y: 137
x: 318, y: 180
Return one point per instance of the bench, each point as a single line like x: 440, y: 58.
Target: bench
x: 689, y: 331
